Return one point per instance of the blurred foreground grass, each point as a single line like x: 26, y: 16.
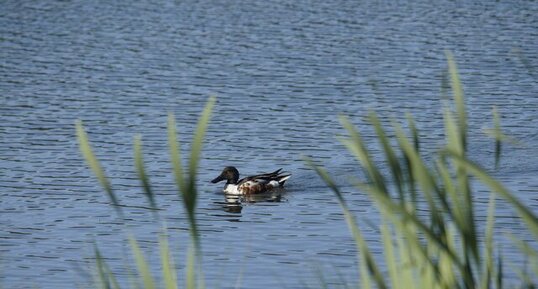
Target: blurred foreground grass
x: 443, y: 250
x: 186, y: 184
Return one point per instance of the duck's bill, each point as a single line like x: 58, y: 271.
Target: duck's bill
x: 217, y: 179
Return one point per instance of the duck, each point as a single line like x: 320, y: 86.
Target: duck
x: 256, y: 184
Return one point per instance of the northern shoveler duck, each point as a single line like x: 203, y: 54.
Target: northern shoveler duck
x: 250, y: 185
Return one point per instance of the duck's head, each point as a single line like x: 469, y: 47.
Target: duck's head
x: 230, y: 174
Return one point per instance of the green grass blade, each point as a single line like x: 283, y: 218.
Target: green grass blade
x: 414, y: 131
x: 190, y: 273
x: 455, y: 143
x: 102, y: 278
x: 446, y: 267
x: 396, y: 211
x: 197, y: 140
x: 498, y: 136
x: 487, y: 271
x: 185, y: 192
x: 421, y: 175
x: 190, y: 196
x: 175, y: 153
x: 447, y: 195
x: 526, y: 214
x: 418, y: 168
x: 93, y: 163
x: 406, y: 276
x: 390, y: 156
x: 416, y: 142
x: 453, y: 139
x: 451, y: 196
x: 356, y: 146
x: 366, y: 280
x: 500, y: 273
x: 141, y: 172
x: 187, y: 186
x: 168, y: 269
x: 325, y: 177
x: 367, y: 261
x: 105, y: 278
x: 469, y: 236
x: 390, y: 258
x: 142, y: 265
x: 418, y: 263
x: 457, y: 92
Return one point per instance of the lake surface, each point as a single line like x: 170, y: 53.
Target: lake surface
x: 282, y: 72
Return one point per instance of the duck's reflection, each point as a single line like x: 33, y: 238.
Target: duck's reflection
x: 232, y: 204
x: 235, y: 203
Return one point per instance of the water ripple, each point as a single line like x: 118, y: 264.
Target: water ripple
x: 282, y: 72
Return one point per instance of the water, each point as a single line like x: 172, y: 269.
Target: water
x: 282, y: 72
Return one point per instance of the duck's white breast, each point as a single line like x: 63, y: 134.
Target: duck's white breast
x: 231, y: 189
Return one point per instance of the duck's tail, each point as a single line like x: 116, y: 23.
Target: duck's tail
x: 283, y: 177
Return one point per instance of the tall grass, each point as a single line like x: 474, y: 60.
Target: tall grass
x: 186, y: 184
x: 445, y: 248
x: 94, y: 164
x: 442, y: 249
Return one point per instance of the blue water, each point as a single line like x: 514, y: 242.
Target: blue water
x: 282, y: 72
